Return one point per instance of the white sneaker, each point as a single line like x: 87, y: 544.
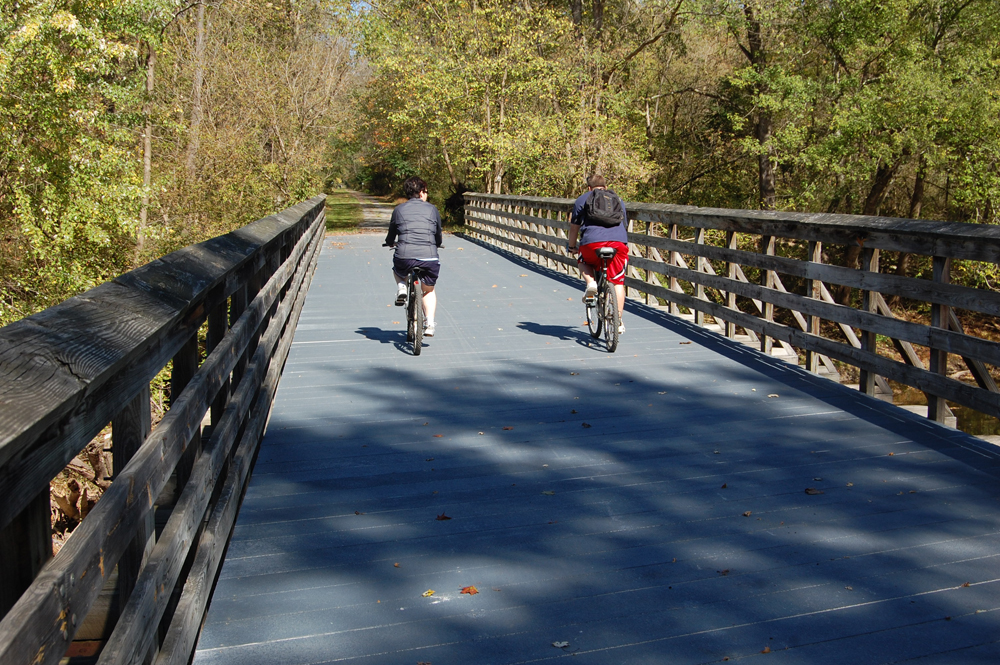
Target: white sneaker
x: 429, y: 330
x: 621, y: 329
x: 400, y: 295
x: 590, y: 293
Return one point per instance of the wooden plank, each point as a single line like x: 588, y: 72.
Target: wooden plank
x: 25, y: 546
x: 65, y: 372
x: 179, y: 642
x: 33, y: 630
x: 979, y: 371
x: 143, y: 613
x: 937, y: 407
x: 975, y: 242
x: 978, y: 300
x: 869, y: 263
x: 940, y: 338
x: 128, y: 430
x: 976, y: 398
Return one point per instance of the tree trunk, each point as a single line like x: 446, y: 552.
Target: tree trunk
x: 576, y: 6
x: 451, y: 169
x: 916, y: 203
x: 194, y: 140
x: 147, y: 153
x: 598, y: 14
x: 755, y: 54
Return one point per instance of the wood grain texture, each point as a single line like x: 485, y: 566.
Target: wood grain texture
x: 43, y: 621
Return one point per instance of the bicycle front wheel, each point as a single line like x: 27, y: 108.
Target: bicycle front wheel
x: 610, y: 316
x: 418, y: 318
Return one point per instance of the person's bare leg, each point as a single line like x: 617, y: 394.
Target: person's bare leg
x: 588, y: 273
x: 430, y: 303
x: 620, y: 294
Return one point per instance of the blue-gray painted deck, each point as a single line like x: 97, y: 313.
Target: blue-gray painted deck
x: 646, y: 507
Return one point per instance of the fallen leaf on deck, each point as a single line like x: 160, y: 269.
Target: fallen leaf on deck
x: 395, y: 565
x: 508, y: 427
x: 586, y: 424
x: 747, y: 513
x: 438, y: 436
x: 849, y: 588
x: 572, y: 411
x: 396, y: 322
x: 850, y: 484
x: 813, y: 491
x: 663, y: 392
x: 773, y: 395
x: 891, y: 454
x: 470, y: 590
x: 494, y: 286
x: 560, y: 645
x: 358, y: 513
x: 573, y: 373
x: 480, y: 434
x: 429, y: 459
x: 442, y: 517
x: 428, y: 593
x: 549, y: 493
x: 554, y: 522
x: 766, y: 650
x: 674, y: 561
x: 966, y: 584
x: 724, y: 485
x: 723, y: 572
x: 817, y: 479
x: 523, y: 275
x: 685, y: 342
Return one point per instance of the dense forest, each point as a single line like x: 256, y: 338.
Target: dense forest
x: 129, y: 128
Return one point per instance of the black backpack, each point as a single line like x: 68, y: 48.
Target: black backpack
x: 603, y: 208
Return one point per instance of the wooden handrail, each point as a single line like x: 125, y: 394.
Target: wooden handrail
x: 518, y: 224
x: 70, y: 370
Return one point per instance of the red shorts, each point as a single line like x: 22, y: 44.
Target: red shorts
x: 616, y: 266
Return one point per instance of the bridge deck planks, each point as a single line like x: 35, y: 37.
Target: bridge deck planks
x: 638, y: 555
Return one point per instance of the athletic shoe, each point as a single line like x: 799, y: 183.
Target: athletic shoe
x: 400, y: 295
x: 621, y: 329
x: 429, y: 330
x: 590, y: 293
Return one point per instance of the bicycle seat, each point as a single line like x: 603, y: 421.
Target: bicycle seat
x: 606, y: 252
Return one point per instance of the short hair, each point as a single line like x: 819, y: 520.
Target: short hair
x: 596, y: 180
x: 413, y: 186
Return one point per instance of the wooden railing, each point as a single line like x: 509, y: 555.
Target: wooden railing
x: 763, y: 272
x: 67, y: 372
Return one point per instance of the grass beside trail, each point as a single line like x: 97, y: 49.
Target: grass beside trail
x: 343, y: 213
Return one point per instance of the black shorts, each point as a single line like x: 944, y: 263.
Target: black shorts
x: 429, y: 269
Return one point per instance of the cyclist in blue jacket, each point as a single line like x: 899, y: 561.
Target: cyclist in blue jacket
x: 415, y: 231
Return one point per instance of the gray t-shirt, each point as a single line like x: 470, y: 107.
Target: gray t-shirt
x: 417, y: 224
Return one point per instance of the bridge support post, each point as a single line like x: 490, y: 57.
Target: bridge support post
x: 937, y: 407
x: 25, y: 546
x: 869, y: 262
x: 767, y: 280
x: 813, y: 291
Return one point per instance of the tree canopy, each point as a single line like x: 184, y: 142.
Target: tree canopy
x: 131, y: 127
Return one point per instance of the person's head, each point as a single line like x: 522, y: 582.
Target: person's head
x: 413, y: 186
x: 596, y: 181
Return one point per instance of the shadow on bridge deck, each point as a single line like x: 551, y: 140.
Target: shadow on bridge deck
x: 644, y: 507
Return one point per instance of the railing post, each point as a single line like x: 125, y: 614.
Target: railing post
x: 185, y: 366
x: 731, y: 243
x: 129, y: 430
x: 813, y: 291
x: 674, y: 309
x: 25, y: 546
x: 650, y: 275
x: 937, y: 407
x: 767, y: 247
x: 699, y: 267
x: 869, y: 262
x: 216, y: 331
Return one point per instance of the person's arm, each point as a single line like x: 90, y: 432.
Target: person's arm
x: 438, y: 238
x: 574, y: 231
x: 390, y: 236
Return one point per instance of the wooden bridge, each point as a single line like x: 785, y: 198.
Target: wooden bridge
x: 515, y: 494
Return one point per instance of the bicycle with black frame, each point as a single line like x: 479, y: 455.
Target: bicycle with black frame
x: 602, y: 308
x: 414, y: 307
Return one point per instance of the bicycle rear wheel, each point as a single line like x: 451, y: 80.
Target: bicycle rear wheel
x: 595, y: 322
x: 610, y: 316
x: 418, y: 318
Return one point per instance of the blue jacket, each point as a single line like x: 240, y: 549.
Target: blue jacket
x: 595, y: 233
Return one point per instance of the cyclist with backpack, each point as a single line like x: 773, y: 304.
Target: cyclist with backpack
x: 415, y: 232
x: 600, y: 213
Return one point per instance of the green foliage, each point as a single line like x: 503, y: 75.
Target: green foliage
x: 69, y: 185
